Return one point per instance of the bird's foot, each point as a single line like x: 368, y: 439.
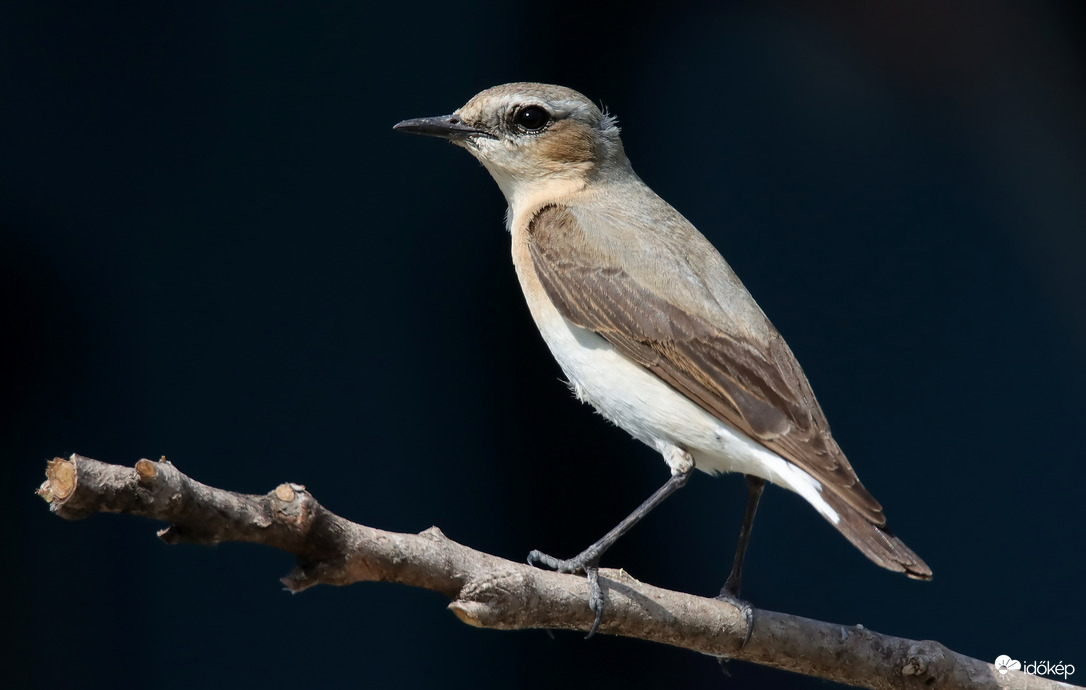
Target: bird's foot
x: 586, y: 563
x: 730, y: 594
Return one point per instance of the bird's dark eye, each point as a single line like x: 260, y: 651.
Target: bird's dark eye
x: 533, y: 118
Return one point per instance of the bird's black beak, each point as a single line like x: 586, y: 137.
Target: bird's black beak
x: 444, y: 126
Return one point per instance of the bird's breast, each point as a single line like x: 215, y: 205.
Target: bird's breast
x: 620, y: 389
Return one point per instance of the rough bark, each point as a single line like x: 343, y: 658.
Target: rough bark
x: 491, y: 592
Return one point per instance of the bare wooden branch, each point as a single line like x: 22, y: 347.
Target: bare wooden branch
x: 491, y: 592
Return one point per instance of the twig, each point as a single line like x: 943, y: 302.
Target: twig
x: 491, y: 592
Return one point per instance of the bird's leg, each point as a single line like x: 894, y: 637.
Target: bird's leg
x: 588, y: 560
x: 755, y: 485
x: 730, y: 590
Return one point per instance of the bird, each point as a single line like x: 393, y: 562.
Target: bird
x: 650, y: 324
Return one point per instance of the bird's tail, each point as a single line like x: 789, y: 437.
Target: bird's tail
x: 878, y: 543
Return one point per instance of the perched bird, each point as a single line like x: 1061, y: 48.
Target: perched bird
x: 650, y: 324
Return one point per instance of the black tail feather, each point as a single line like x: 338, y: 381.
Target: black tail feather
x: 877, y: 543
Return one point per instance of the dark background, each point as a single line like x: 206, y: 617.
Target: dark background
x: 213, y: 247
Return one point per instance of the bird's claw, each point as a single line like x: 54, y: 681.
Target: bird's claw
x: 574, y: 565
x: 595, y: 598
x: 745, y: 609
x: 558, y: 565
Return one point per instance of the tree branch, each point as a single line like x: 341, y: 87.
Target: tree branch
x: 491, y: 592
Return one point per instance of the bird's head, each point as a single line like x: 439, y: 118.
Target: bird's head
x: 529, y: 134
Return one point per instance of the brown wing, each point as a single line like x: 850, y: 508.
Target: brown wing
x: 758, y: 389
